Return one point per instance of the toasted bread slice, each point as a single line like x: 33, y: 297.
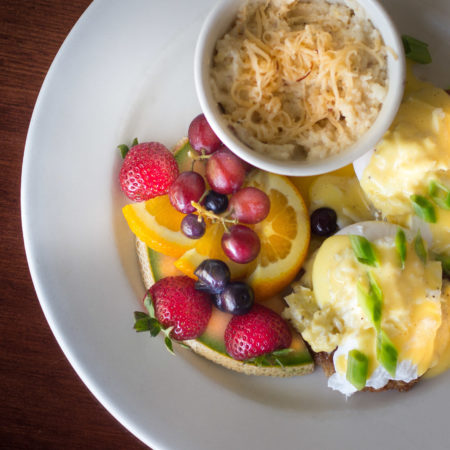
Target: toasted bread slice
x: 299, y: 363
x: 325, y: 361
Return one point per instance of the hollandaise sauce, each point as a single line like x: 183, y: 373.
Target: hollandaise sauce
x: 412, y: 156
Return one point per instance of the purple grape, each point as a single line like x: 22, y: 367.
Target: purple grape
x: 213, y: 275
x: 237, y: 298
x: 193, y: 226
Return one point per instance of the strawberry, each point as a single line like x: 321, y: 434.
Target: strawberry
x: 176, y: 308
x: 148, y: 171
x: 256, y: 333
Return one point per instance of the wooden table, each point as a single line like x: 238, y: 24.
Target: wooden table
x: 44, y: 405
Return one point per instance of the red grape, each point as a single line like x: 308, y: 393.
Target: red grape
x: 225, y: 172
x: 241, y: 244
x: 249, y: 205
x: 202, y: 137
x: 189, y: 186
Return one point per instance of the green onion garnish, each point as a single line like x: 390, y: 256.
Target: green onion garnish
x: 357, y: 368
x: 400, y: 244
x: 416, y: 50
x: 371, y: 301
x: 419, y: 247
x: 439, y: 194
x: 423, y: 208
x: 363, y: 250
x: 387, y: 354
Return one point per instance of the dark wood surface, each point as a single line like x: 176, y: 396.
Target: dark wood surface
x: 43, y: 403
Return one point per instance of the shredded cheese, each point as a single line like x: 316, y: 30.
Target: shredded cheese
x: 300, y: 79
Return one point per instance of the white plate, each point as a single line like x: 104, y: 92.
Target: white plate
x: 124, y: 71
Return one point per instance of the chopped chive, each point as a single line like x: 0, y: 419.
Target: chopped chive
x: 420, y: 248
x: 363, y: 250
x: 387, y: 354
x: 423, y: 208
x: 416, y: 50
x: 439, y: 194
x: 400, y: 244
x: 357, y: 368
x: 371, y: 301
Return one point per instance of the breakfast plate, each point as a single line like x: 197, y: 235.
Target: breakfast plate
x: 126, y: 70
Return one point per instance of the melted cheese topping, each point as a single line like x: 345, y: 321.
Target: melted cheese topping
x: 415, y: 151
x: 300, y: 79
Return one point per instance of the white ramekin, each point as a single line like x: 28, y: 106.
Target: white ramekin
x: 219, y: 22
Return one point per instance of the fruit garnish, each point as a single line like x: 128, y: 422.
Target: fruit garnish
x: 213, y: 275
x: 249, y: 205
x: 256, y: 333
x: 188, y: 187
x: 193, y: 226
x: 284, y: 235
x: 158, y: 224
x: 225, y: 171
x: 237, y: 298
x: 295, y: 360
x: 147, y: 171
x: 241, y: 244
x: 148, y: 322
x: 202, y: 137
x: 209, y: 247
x: 179, y: 309
x: 324, y: 221
x: 215, y: 202
x: 124, y: 149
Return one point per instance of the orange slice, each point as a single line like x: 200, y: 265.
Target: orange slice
x: 157, y: 223
x: 284, y: 234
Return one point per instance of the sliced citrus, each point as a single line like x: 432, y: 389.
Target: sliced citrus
x: 284, y: 235
x: 209, y: 247
x: 157, y: 223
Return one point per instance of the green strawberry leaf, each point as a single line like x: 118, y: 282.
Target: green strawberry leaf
x: 124, y: 149
x: 142, y: 323
x: 148, y: 322
x: 169, y: 345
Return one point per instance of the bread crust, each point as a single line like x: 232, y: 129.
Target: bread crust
x: 325, y: 361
